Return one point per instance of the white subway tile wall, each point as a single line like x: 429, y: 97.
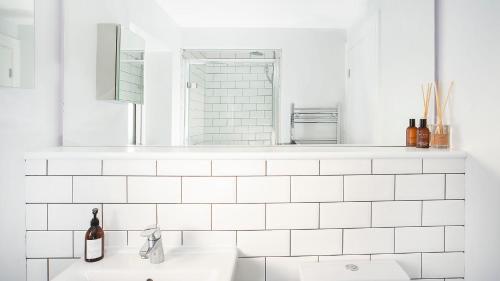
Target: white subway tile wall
x: 346, y: 166
x: 279, y: 212
x: 397, y: 166
x: 74, y: 167
x: 232, y: 103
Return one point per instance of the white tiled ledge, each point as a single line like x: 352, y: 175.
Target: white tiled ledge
x: 239, y: 152
x: 279, y: 205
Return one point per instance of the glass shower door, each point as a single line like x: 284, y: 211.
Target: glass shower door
x: 231, y: 102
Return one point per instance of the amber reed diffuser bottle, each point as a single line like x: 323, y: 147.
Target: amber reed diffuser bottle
x: 423, y: 134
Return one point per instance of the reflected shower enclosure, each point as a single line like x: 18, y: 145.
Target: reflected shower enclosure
x: 231, y: 97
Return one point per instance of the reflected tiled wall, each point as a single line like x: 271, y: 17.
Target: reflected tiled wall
x: 238, y: 104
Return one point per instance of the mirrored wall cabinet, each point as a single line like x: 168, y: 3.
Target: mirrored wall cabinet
x: 120, y: 64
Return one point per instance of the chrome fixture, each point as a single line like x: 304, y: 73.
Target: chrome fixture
x: 310, y: 116
x: 152, y: 248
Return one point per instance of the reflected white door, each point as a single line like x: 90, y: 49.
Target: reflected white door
x: 6, y: 66
x: 360, y: 115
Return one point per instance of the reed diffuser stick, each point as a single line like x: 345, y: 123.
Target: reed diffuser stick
x: 426, y: 95
x: 440, y: 105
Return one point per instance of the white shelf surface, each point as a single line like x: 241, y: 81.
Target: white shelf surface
x: 241, y: 152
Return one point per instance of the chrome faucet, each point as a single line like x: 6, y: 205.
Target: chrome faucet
x: 152, y: 248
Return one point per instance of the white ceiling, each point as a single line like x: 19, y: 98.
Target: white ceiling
x: 265, y: 13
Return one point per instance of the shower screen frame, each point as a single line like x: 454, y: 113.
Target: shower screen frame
x: 276, y: 84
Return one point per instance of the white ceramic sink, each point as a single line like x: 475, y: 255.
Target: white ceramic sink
x: 356, y: 270
x: 181, y: 264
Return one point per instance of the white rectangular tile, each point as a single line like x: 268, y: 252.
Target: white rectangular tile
x: 79, y: 243
x: 74, y: 167
x: 97, y: 189
x: 292, y: 216
x: 419, y: 239
x: 208, y: 189
x: 263, y: 189
x: 36, y: 216
x: 129, y: 167
x: 345, y: 166
x: 56, y: 266
x: 184, y: 217
x: 345, y: 215
x: 397, y: 166
x: 293, y: 167
x: 285, y: 268
x: 35, y: 167
x: 209, y: 238
x: 369, y: 188
x: 368, y: 241
x: 250, y: 269
x: 41, y: 189
x: 170, y: 238
x: 43, y: 244
x: 396, y: 213
x: 316, y: 188
x: 113, y: 238
x: 454, y: 238
x: 154, y: 189
x: 238, y: 216
x: 238, y: 167
x: 443, y: 212
x: 71, y: 216
x: 316, y: 242
x: 128, y: 216
x: 455, y: 186
x: 443, y: 265
x: 264, y: 243
x: 184, y: 168
x: 411, y: 263
x: 344, y: 258
x: 36, y: 270
x: 419, y: 187
x: 444, y: 165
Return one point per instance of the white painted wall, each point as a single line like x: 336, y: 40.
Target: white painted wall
x: 360, y: 122
x: 469, y: 53
x: 406, y: 60
x: 88, y: 121
x: 312, y: 65
x: 157, y: 107
x: 29, y: 119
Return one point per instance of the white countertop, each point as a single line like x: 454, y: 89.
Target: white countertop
x: 240, y: 152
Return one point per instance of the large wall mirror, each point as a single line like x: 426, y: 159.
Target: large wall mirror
x: 270, y: 72
x: 17, y: 44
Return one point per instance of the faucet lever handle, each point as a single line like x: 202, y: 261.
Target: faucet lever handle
x: 152, y: 232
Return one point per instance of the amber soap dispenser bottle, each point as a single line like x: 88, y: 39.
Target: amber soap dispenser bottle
x: 411, y: 134
x: 94, y: 240
x: 423, y: 134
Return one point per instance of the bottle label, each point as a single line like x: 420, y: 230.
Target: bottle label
x: 94, y: 249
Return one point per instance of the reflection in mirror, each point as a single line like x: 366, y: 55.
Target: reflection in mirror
x: 324, y: 72
x: 17, y: 44
x: 120, y: 64
x: 230, y: 96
